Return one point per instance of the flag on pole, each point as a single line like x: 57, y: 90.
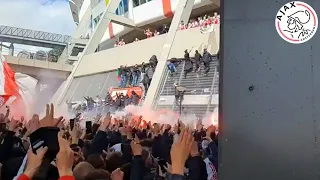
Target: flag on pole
x: 15, y: 89
x: 118, y: 74
x: 8, y: 86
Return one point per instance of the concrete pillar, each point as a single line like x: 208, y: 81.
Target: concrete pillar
x: 269, y: 96
x: 130, y: 9
x: 93, y: 42
x: 182, y: 13
x: 11, y: 49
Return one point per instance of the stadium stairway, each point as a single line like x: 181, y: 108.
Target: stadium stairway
x: 195, y: 84
x: 199, y: 111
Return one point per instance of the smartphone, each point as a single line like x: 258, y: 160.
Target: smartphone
x: 71, y: 124
x: 88, y: 127
x: 45, y: 137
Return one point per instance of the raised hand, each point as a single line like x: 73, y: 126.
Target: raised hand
x: 105, y: 123
x: 75, y: 133
x: 61, y: 124
x: 65, y: 157
x: 199, y: 126
x: 122, y: 131
x: 83, y: 133
x: 136, y: 148
x: 210, y: 130
x: 97, y: 118
x: 32, y: 125
x: 194, y: 149
x: 156, y: 129
x: 48, y: 120
x: 180, y: 151
x: 117, y: 174
x: 34, y: 161
x: 13, y: 124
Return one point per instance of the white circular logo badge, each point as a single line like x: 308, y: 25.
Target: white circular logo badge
x: 296, y: 22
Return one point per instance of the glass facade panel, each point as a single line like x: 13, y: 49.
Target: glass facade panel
x: 96, y: 84
x: 112, y: 81
x: 125, y: 5
x: 92, y: 86
x: 72, y: 87
x: 142, y: 1
x: 121, y: 9
x: 82, y: 88
x: 135, y: 3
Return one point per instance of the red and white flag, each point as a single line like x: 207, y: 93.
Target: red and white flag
x: 16, y: 89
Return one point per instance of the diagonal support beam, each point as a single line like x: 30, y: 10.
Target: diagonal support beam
x: 92, y: 44
x: 121, y: 20
x: 216, y: 2
x: 182, y: 13
x: 76, y: 35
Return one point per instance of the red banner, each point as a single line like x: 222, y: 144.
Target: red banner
x: 125, y: 91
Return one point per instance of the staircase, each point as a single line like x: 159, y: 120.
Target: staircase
x: 197, y: 110
x: 195, y: 83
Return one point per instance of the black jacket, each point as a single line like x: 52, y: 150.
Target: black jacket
x: 197, y: 57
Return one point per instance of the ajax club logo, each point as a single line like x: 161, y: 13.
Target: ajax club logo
x: 296, y: 22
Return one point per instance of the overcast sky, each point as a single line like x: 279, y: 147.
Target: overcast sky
x: 44, y: 15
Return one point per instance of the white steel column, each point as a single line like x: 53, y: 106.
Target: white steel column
x: 130, y: 9
x: 93, y: 42
x: 182, y: 13
x: 82, y: 26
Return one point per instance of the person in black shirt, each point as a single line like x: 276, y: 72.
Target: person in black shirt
x: 188, y: 63
x: 197, y: 60
x: 206, y: 58
x: 135, y: 75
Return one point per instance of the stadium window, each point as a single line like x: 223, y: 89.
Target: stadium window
x: 125, y: 5
x: 121, y: 8
x: 91, y: 23
x: 142, y: 2
x: 135, y: 3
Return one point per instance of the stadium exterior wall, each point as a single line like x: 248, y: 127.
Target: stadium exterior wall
x: 141, y: 51
x: 144, y: 14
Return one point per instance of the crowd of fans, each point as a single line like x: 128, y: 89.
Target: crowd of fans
x: 126, y: 148
x: 133, y: 76
x: 204, y: 21
x: 109, y: 103
x: 201, y: 22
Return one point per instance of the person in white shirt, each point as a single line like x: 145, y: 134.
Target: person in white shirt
x: 156, y: 33
x: 216, y: 18
x: 121, y: 43
x: 195, y: 24
x: 148, y: 33
x: 200, y: 20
